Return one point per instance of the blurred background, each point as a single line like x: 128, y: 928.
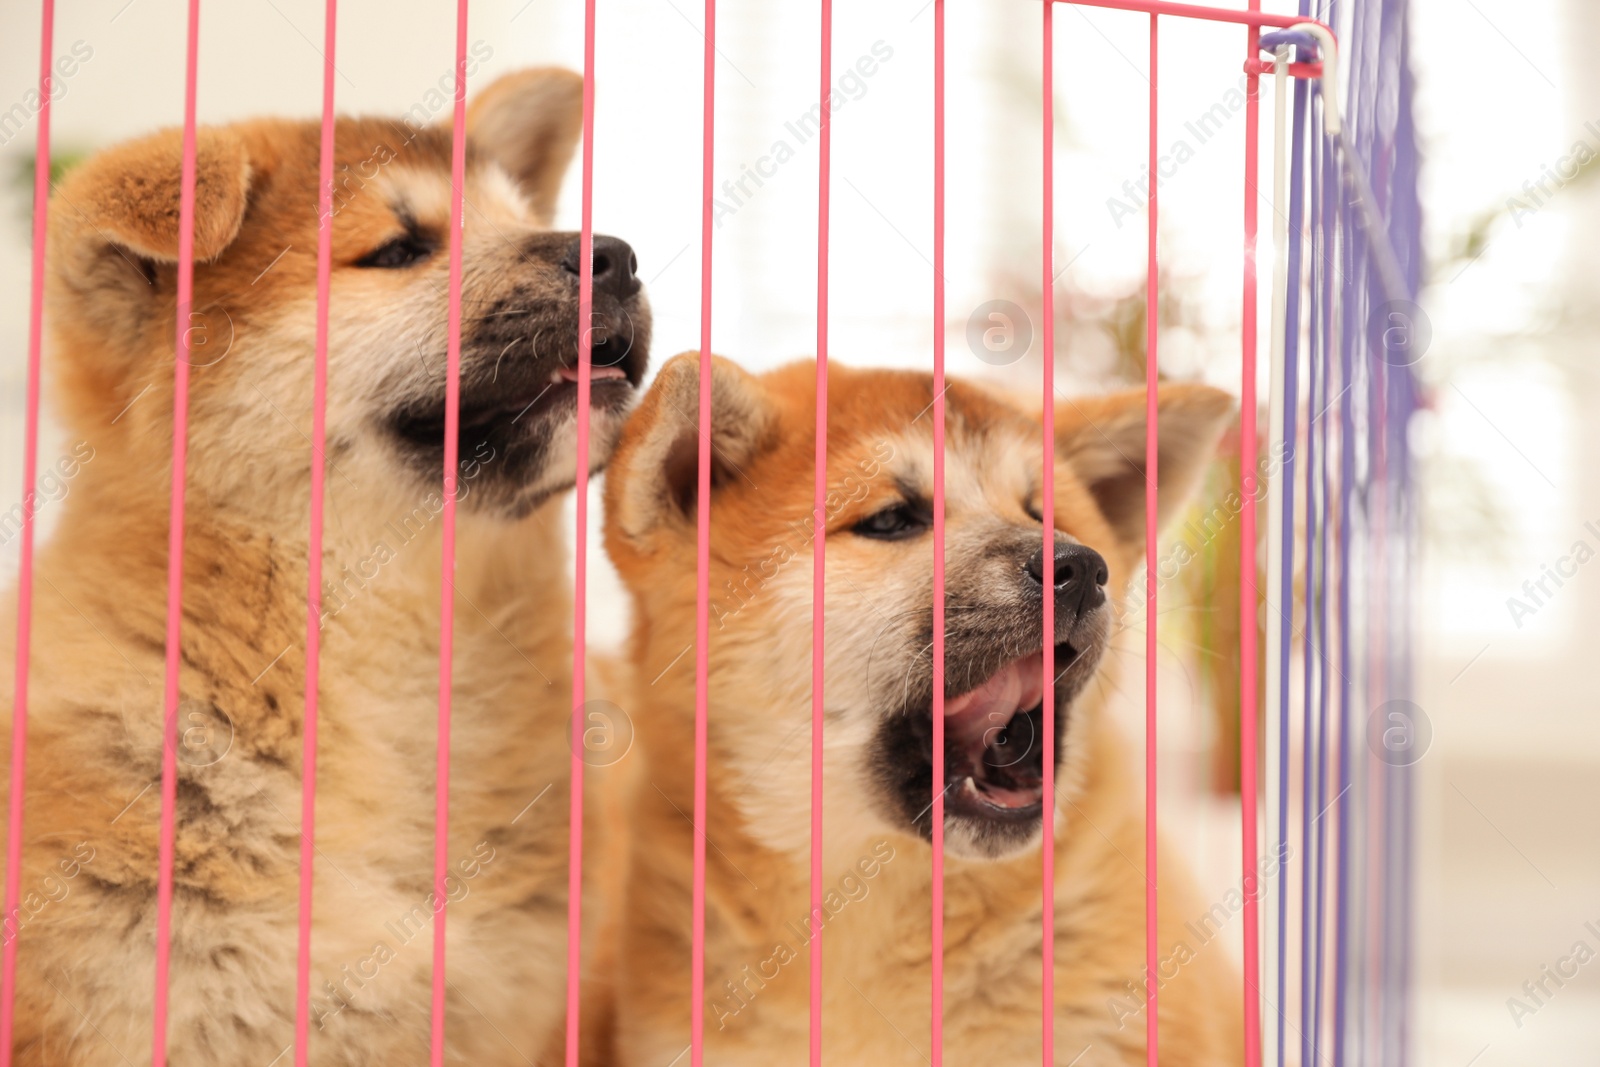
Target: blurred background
x: 1509, y: 114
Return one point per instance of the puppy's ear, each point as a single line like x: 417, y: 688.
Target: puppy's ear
x: 529, y: 122
x: 129, y: 197
x: 114, y: 224
x: 653, y: 477
x: 1103, y: 440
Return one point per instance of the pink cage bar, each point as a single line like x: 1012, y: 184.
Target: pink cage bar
x: 1252, y: 20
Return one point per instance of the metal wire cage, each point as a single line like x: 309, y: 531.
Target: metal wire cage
x: 1327, y: 974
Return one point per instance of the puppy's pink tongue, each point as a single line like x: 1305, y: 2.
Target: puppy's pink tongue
x: 1017, y: 686
x: 596, y: 373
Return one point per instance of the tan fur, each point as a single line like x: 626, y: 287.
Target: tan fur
x: 539, y: 118
x: 86, y: 949
x: 877, y: 873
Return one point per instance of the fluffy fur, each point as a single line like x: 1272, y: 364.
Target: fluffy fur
x: 877, y: 860
x: 87, y: 923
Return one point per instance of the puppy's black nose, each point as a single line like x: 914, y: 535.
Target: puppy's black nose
x: 615, y: 265
x: 1080, y: 576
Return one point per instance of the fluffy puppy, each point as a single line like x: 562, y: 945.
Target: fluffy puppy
x: 878, y: 753
x: 88, y: 921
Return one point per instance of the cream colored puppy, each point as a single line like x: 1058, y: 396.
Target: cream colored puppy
x: 88, y: 921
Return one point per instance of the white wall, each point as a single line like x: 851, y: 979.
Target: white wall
x: 1510, y: 871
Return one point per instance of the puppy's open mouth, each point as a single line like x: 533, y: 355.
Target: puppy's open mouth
x: 994, y: 745
x: 994, y: 735
x: 994, y: 742
x: 498, y: 410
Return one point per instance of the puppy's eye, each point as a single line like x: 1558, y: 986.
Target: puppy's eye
x: 1035, y: 512
x: 399, y: 253
x: 894, y: 523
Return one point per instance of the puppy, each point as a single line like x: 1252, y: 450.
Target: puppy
x: 88, y: 921
x: 878, y: 758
